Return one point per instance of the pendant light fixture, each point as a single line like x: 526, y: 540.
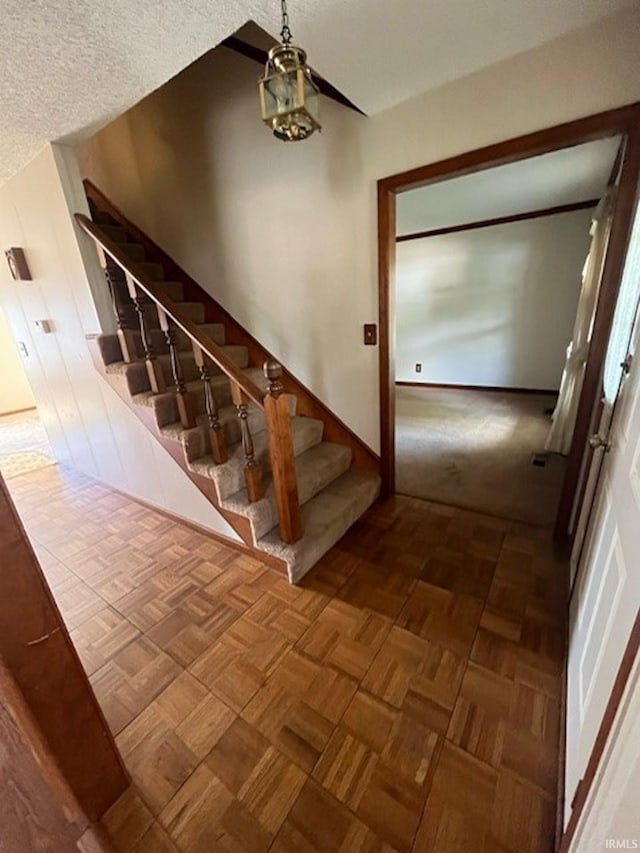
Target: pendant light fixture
x: 288, y: 96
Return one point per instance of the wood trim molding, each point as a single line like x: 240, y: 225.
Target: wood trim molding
x: 501, y: 220
x: 507, y: 390
x: 621, y: 121
x: 615, y: 698
x: 308, y: 404
x: 387, y: 323
x: 597, y: 126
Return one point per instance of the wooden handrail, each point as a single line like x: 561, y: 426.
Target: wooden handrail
x: 273, y: 402
x: 206, y: 344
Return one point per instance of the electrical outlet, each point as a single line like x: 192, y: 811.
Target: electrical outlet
x: 419, y: 367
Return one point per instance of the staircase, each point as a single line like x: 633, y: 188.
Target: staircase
x: 286, y: 474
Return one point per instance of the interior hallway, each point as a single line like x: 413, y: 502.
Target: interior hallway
x: 474, y: 449
x: 24, y: 445
x: 405, y: 697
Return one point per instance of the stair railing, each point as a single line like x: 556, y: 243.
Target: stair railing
x: 244, y: 391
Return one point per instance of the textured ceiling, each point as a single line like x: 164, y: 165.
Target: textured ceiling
x: 68, y: 66
x: 561, y: 177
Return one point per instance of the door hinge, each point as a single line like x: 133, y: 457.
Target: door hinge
x: 576, y: 793
x: 626, y: 364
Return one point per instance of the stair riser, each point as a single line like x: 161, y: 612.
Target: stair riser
x: 193, y: 311
x: 166, y: 409
x: 135, y: 251
x: 263, y: 515
x: 138, y: 379
x: 196, y: 441
x: 229, y: 478
x: 111, y: 350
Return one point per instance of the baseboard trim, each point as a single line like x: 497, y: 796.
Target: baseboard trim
x: 238, y: 545
x: 508, y: 390
x: 18, y: 411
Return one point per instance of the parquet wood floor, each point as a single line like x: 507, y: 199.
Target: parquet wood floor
x: 405, y: 697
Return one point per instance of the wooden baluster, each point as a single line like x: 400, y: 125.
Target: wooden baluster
x: 283, y: 467
x: 125, y: 335
x: 184, y: 399
x: 154, y: 370
x: 252, y: 470
x: 216, y: 433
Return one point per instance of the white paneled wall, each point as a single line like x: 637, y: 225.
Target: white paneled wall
x: 88, y: 425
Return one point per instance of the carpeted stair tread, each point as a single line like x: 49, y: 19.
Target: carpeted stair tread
x: 195, y: 441
x: 114, y: 232
x: 135, y: 251
x: 166, y: 410
x: 326, y: 518
x: 111, y: 351
x: 315, y: 469
x: 151, y: 269
x: 229, y: 477
x: 137, y: 377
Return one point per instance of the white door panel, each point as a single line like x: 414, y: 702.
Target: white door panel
x: 606, y: 595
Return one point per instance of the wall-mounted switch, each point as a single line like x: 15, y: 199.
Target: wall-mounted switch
x: 370, y: 334
x: 45, y: 326
x: 419, y: 367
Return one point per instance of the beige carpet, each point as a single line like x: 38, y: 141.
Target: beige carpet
x: 24, y: 445
x: 473, y: 449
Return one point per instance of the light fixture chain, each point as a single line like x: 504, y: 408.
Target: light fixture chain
x: 285, y: 33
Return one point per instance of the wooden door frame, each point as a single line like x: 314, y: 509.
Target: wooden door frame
x: 624, y: 121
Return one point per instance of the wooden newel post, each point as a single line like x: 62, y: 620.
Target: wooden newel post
x: 125, y: 335
x: 283, y: 466
x: 154, y: 370
x: 216, y: 433
x: 252, y: 470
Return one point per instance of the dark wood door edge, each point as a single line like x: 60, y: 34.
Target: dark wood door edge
x: 387, y: 323
x: 239, y: 523
x: 500, y: 388
x: 615, y: 698
x: 308, y: 404
x: 611, y: 123
x: 501, y: 220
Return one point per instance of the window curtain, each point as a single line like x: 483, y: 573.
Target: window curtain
x: 564, y: 416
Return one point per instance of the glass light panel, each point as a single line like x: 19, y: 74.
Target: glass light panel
x: 281, y: 94
x: 624, y: 317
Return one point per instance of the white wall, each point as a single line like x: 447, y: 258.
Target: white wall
x: 15, y: 393
x: 492, y: 306
x: 285, y: 235
x: 87, y: 423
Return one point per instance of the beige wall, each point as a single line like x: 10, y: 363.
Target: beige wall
x: 87, y: 423
x: 285, y: 235
x: 491, y: 306
x: 15, y: 393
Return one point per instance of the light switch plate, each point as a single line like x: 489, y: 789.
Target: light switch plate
x: 370, y: 334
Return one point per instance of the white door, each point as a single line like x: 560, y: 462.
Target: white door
x: 606, y: 595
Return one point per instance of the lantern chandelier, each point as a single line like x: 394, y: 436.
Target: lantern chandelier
x: 288, y: 96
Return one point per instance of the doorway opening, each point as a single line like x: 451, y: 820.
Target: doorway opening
x: 24, y: 445
x: 482, y: 276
